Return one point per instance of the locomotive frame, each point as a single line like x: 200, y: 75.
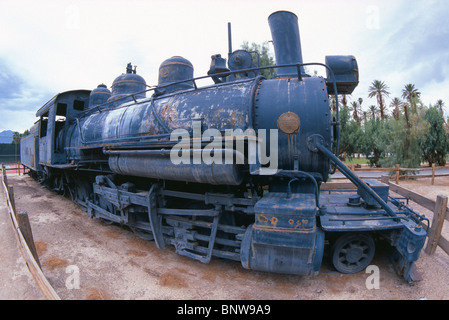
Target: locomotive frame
x: 111, y: 154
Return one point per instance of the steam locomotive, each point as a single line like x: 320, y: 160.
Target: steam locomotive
x: 230, y: 170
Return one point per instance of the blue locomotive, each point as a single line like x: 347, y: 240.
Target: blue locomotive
x: 231, y: 170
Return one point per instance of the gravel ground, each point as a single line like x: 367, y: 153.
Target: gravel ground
x: 86, y: 258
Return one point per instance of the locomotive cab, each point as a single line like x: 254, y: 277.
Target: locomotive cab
x: 54, y: 118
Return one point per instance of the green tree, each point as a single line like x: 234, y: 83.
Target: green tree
x: 261, y: 54
x: 402, y: 139
x: 372, y: 142
x: 379, y: 90
x: 345, y: 142
x: 396, y: 144
x: 435, y: 142
x: 350, y: 134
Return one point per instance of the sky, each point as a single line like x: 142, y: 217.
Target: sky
x: 51, y: 46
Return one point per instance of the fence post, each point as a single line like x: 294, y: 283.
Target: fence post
x: 11, y: 198
x: 25, y: 228
x: 4, y: 177
x: 437, y: 224
x: 397, y: 173
x: 433, y: 174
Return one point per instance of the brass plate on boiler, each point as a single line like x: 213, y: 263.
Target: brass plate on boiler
x: 289, y: 123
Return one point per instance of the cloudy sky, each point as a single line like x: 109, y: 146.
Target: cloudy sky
x: 50, y: 46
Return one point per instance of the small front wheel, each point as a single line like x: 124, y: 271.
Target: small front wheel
x: 351, y: 253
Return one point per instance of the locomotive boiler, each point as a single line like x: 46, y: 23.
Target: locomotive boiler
x: 231, y: 170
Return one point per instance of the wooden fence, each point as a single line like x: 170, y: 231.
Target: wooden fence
x: 398, y: 172
x: 440, y: 213
x: 438, y: 207
x: 15, y: 168
x: 24, y: 237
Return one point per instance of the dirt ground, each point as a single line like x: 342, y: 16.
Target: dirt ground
x: 86, y: 258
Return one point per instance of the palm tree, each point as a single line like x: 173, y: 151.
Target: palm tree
x: 411, y: 94
x: 344, y: 100
x: 373, y: 109
x: 396, y: 104
x: 16, y: 140
x: 360, y: 105
x: 406, y: 114
x: 379, y: 90
x: 355, y: 112
x: 440, y: 105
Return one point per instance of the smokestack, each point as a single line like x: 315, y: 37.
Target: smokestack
x: 286, y: 42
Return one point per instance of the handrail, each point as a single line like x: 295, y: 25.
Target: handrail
x: 221, y: 74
